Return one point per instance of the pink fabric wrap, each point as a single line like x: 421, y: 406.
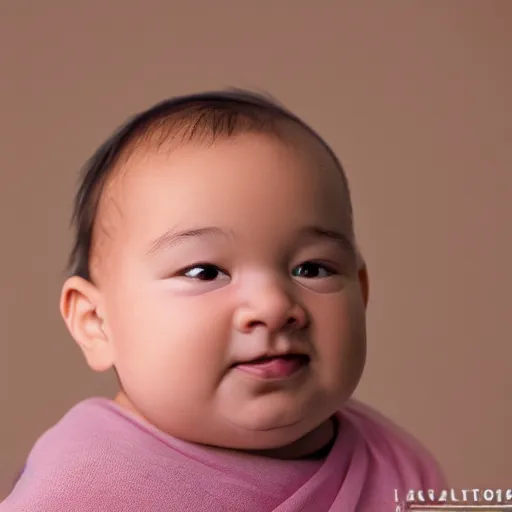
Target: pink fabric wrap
x: 99, y: 458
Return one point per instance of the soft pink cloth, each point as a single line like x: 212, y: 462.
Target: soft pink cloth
x: 99, y: 458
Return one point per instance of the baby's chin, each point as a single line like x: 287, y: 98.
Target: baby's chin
x: 287, y: 441
x: 275, y: 428
x: 311, y: 443
x: 282, y: 432
x: 293, y: 441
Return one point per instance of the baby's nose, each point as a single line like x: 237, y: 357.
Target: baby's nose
x: 276, y: 310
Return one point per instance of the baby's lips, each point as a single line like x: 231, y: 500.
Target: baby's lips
x: 270, y: 354
x: 275, y: 367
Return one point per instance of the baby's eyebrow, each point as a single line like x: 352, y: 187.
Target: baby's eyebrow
x: 337, y: 237
x: 173, y: 237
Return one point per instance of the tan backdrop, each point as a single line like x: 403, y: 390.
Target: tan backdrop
x: 415, y: 97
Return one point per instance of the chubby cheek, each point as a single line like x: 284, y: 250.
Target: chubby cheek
x: 166, y: 348
x: 340, y: 339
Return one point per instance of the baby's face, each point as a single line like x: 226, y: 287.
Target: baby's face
x: 220, y: 255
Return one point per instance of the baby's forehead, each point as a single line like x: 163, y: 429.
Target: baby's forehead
x: 120, y: 200
x: 211, y: 158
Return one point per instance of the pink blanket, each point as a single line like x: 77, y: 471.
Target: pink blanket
x: 99, y: 458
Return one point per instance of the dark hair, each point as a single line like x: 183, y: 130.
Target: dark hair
x: 208, y: 114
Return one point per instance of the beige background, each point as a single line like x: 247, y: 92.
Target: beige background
x: 414, y: 96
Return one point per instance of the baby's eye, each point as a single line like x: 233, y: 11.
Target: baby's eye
x: 312, y: 270
x: 203, y: 272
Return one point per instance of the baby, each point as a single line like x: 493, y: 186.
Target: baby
x: 215, y: 268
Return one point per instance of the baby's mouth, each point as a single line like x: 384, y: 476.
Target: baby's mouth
x: 275, y: 367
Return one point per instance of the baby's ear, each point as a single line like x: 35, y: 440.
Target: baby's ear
x: 79, y: 306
